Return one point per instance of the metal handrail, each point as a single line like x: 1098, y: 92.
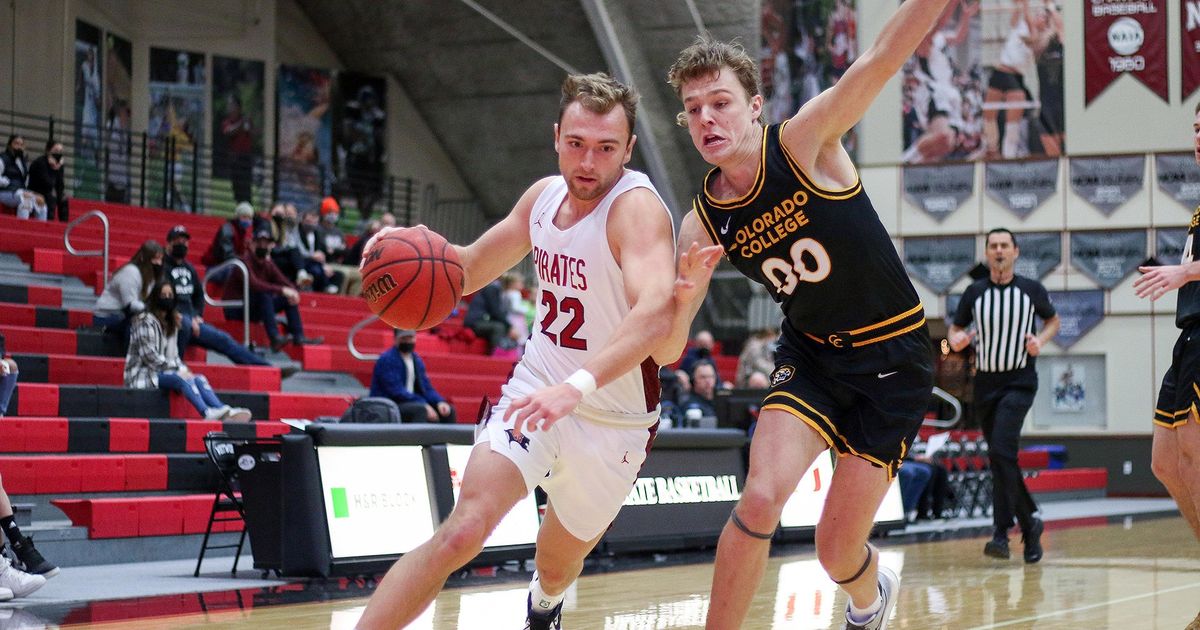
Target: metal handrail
x: 354, y: 351
x: 244, y: 302
x: 90, y: 252
x: 954, y: 404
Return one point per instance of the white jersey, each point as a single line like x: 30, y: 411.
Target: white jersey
x: 1016, y: 54
x: 581, y: 301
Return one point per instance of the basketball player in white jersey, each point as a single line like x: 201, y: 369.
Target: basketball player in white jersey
x: 580, y: 411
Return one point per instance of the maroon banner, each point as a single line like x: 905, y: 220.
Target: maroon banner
x: 1189, y: 46
x: 1125, y: 37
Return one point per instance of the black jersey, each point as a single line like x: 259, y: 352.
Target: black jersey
x: 822, y: 254
x: 1187, y: 310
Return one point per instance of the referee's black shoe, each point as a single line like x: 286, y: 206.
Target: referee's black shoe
x: 997, y: 548
x: 1033, y: 541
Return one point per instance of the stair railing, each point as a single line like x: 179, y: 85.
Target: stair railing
x: 89, y: 252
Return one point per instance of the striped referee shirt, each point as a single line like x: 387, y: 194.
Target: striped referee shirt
x: 1003, y: 315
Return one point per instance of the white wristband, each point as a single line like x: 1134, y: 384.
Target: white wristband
x: 583, y: 381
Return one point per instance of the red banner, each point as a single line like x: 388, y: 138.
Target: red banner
x: 1125, y: 37
x: 1189, y: 46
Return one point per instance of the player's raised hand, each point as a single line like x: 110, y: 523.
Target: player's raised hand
x: 541, y: 409
x: 696, y: 265
x: 1158, y: 281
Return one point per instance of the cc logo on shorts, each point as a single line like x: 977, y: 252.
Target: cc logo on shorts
x: 782, y: 374
x: 837, y: 340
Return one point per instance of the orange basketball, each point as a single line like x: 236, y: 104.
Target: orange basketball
x: 412, y: 278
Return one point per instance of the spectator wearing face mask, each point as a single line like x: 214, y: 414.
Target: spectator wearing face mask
x: 324, y: 278
x: 153, y: 359
x: 270, y: 293
x: 400, y: 375
x: 14, y: 181
x: 233, y: 240
x: 125, y: 295
x: 337, y: 256
x: 46, y: 179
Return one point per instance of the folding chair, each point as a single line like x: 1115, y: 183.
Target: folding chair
x: 227, y: 502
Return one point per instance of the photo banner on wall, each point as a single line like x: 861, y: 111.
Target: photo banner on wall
x: 939, y: 190
x: 304, y: 136
x: 1168, y: 245
x: 1108, y: 257
x: 176, y: 122
x: 1179, y: 177
x: 87, y: 168
x: 237, y: 127
x: 942, y: 96
x: 1021, y: 186
x: 939, y: 261
x: 1041, y: 252
x: 118, y: 95
x: 1124, y: 37
x: 1023, y: 108
x: 1078, y: 313
x: 1107, y: 183
x: 360, y: 139
x: 1189, y: 47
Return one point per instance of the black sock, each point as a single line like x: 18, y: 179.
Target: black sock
x: 11, y: 531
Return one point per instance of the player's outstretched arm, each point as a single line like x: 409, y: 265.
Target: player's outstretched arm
x: 1158, y: 281
x: 698, y: 257
x: 502, y: 246
x: 826, y: 118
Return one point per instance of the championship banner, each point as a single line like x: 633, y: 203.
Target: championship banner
x: 939, y: 190
x: 1107, y: 183
x: 1108, y: 257
x: 1189, y: 47
x: 939, y: 261
x: 1125, y: 37
x: 1041, y: 252
x: 1168, y: 245
x: 1078, y: 313
x: 1179, y: 177
x: 1021, y: 186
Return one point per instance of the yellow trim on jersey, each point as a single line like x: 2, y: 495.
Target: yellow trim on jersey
x: 816, y: 426
x: 897, y: 333
x: 760, y: 178
x: 832, y: 427
x: 807, y: 182
x: 705, y: 222
x: 891, y: 320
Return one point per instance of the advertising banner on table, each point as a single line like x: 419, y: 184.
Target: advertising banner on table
x: 1078, y: 313
x: 1021, y: 186
x: 1107, y: 183
x: 118, y: 94
x: 1041, y: 252
x: 939, y: 261
x: 1179, y: 177
x: 1108, y: 257
x: 1124, y: 37
x: 939, y: 190
x: 1168, y: 245
x: 304, y: 134
x: 942, y: 95
x: 87, y: 169
x: 1189, y: 47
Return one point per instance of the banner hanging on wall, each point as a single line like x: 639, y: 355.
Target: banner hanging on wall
x: 1021, y: 186
x: 118, y: 96
x: 1178, y: 176
x: 1108, y: 257
x: 1189, y: 47
x: 89, y: 71
x: 303, y: 134
x: 1125, y: 37
x: 1078, y: 313
x: 1107, y: 183
x: 1168, y: 245
x: 939, y: 190
x: 1041, y: 252
x: 939, y: 261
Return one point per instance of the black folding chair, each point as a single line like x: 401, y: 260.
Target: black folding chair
x: 227, y: 502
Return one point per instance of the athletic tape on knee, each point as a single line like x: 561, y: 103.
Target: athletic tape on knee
x: 863, y: 569
x: 746, y: 530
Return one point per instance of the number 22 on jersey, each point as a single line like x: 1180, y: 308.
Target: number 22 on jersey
x: 566, y: 337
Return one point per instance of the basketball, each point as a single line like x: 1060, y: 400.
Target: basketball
x: 412, y: 278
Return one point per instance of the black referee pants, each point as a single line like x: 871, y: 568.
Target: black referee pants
x: 1001, y: 409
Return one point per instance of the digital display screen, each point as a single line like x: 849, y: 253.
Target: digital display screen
x: 518, y: 527
x: 808, y: 500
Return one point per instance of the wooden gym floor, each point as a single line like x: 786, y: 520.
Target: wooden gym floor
x: 1131, y: 575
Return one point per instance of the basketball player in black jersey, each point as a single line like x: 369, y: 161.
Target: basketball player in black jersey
x: 854, y: 366
x: 1175, y: 455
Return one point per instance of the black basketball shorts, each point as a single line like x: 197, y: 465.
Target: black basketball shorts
x: 1179, y: 396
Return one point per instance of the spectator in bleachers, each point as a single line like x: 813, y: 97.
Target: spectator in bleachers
x: 8, y: 378
x: 325, y: 279
x: 270, y: 293
x: 189, y: 301
x: 758, y: 355
x: 233, y: 239
x: 354, y: 254
x: 700, y: 350
x: 487, y: 317
x: 153, y: 359
x: 285, y: 224
x: 30, y: 559
x: 400, y: 375
x: 46, y: 179
x: 125, y: 295
x: 672, y: 395
x: 518, y: 307
x: 14, y: 181
x: 336, y: 253
x: 704, y: 389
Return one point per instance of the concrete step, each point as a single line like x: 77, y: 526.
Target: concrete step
x: 68, y: 546
x: 67, y: 283
x: 324, y: 383
x: 11, y: 262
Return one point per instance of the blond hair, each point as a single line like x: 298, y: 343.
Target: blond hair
x: 707, y: 56
x: 599, y: 93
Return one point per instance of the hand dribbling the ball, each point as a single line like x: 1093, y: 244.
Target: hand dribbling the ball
x: 383, y: 231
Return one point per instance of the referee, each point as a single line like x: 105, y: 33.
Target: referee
x: 1002, y: 307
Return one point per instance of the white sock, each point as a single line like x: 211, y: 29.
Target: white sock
x: 863, y: 615
x: 542, y: 602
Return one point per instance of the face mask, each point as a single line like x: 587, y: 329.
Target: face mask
x: 289, y: 221
x: 57, y: 156
x: 19, y: 153
x: 245, y: 223
x: 157, y: 267
x: 179, y: 251
x: 166, y: 303
x: 406, y: 346
x: 331, y: 218
x: 261, y: 252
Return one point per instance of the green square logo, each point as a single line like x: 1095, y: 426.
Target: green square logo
x: 341, y: 507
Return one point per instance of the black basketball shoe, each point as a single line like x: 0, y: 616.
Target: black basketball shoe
x: 551, y: 620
